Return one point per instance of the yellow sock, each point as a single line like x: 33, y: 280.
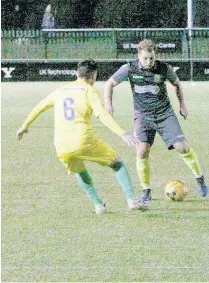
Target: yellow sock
x: 143, y: 169
x: 190, y: 158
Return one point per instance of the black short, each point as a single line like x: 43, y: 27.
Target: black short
x: 168, y: 128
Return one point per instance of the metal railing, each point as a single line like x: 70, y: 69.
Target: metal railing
x: 68, y: 44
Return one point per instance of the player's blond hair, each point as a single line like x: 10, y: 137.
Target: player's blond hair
x: 146, y: 45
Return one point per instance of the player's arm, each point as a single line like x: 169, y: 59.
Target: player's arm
x: 116, y: 78
x: 174, y: 80
x: 101, y: 113
x: 36, y: 111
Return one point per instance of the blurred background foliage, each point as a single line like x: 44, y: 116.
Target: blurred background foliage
x: 28, y: 14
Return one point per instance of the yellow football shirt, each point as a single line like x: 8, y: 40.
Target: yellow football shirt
x: 73, y: 106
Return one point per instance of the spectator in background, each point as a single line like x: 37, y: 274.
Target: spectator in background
x: 47, y: 23
x: 18, y: 16
x: 48, y: 19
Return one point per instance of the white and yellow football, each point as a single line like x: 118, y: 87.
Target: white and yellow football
x: 175, y: 190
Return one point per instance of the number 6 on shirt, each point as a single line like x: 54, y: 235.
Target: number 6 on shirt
x: 69, y: 110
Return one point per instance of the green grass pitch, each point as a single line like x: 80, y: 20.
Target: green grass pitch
x: 49, y: 231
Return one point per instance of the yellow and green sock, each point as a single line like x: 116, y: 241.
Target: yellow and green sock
x: 143, y: 170
x: 190, y: 158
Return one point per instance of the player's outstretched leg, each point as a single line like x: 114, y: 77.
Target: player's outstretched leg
x: 85, y: 181
x: 123, y: 178
x: 190, y: 158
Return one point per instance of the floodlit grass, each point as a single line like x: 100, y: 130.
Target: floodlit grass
x: 49, y: 232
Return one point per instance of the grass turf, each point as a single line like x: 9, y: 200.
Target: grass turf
x: 49, y: 232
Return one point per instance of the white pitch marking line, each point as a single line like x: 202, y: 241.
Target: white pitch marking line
x: 103, y: 267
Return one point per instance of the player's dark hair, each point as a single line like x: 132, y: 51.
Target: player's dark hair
x: 146, y: 45
x: 86, y: 68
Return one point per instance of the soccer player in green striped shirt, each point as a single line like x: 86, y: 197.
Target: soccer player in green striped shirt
x: 154, y: 113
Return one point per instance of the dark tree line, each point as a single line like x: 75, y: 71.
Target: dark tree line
x: 27, y: 14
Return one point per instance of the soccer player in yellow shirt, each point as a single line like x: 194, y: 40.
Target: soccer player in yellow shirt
x: 74, y: 137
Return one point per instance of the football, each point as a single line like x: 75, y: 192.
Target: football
x: 175, y: 190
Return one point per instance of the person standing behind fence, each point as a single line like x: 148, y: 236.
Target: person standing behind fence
x: 48, y: 19
x: 47, y: 23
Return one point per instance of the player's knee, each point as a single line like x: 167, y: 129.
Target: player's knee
x: 184, y: 150
x: 142, y: 154
x: 142, y: 150
x: 116, y: 165
x: 85, y: 177
x: 182, y: 147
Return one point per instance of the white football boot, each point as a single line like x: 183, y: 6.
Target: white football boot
x: 134, y: 204
x: 100, y: 209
